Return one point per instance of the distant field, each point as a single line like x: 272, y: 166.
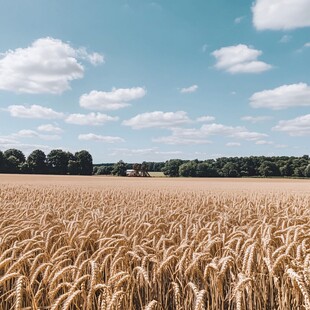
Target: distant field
x: 69, y: 242
x: 157, y: 174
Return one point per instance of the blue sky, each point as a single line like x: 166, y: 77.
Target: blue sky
x: 155, y: 79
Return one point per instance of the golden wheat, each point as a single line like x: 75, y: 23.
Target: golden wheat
x: 141, y: 246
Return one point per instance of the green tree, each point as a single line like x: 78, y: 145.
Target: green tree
x: 12, y: 164
x: 85, y: 161
x: 73, y: 167
x: 119, y: 169
x: 171, y: 167
x: 307, y: 171
x: 19, y: 155
x: 286, y: 170
x: 2, y: 162
x: 188, y: 169
x: 104, y: 170
x: 206, y: 169
x: 230, y: 169
x: 37, y: 162
x: 268, y: 168
x: 298, y: 172
x: 57, y: 162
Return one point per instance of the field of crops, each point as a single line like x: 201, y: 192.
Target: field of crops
x: 125, y: 243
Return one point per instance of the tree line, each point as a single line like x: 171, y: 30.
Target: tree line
x: 253, y: 166
x: 81, y: 163
x: 55, y: 162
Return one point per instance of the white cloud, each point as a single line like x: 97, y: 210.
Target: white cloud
x: 105, y: 139
x: 176, y: 140
x: 307, y: 44
x: 50, y: 128
x: 299, y: 126
x: 201, y: 135
x: 94, y: 58
x: 233, y: 144
x: 34, y: 111
x: 263, y: 142
x: 91, y: 119
x: 281, y: 14
x: 157, y: 119
x: 149, y: 151
x: 24, y: 147
x: 282, y: 97
x: 256, y: 119
x: 238, y: 20
x: 113, y: 100
x: 240, y: 59
x: 230, y: 131
x: 190, y: 89
x: 285, y: 39
x: 205, y: 119
x: 47, y: 66
x: 28, y: 133
x: 4, y: 141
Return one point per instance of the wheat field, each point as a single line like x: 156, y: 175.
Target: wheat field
x: 113, y: 243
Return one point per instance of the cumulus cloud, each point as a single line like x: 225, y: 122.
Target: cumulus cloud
x: 94, y: 58
x: 26, y: 148
x: 179, y: 139
x: 105, y: 139
x: 113, y: 100
x: 263, y: 142
x: 157, y: 119
x: 205, y: 119
x: 202, y: 135
x: 34, y: 111
x: 148, y: 151
x: 299, y: 126
x: 239, y: 59
x: 256, y: 119
x: 48, y: 65
x: 91, y: 119
x: 28, y: 133
x: 230, y: 131
x: 281, y: 14
x: 50, y: 128
x: 4, y: 141
x: 282, y: 97
x: 188, y: 90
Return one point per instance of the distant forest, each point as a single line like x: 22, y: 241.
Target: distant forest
x: 56, y: 162
x: 81, y: 163
x: 253, y: 166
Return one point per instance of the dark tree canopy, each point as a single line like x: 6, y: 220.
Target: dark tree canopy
x: 85, y: 161
x: 57, y: 162
x: 171, y: 167
x: 73, y: 167
x: 2, y: 168
x: 188, y: 169
x: 259, y: 166
x: 19, y: 155
x: 37, y: 162
x: 81, y: 163
x: 119, y: 169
